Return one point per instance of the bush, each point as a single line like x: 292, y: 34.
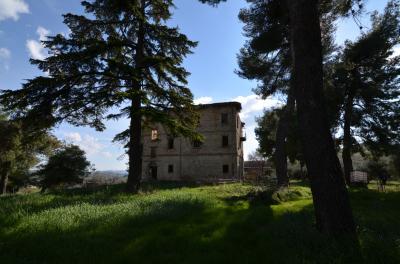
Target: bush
x: 68, y: 166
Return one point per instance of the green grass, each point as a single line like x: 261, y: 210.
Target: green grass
x: 172, y: 223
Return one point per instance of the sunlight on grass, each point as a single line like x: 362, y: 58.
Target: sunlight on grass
x: 230, y: 223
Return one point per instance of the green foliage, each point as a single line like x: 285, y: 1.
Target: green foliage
x: 287, y: 194
x: 177, y: 224
x: 266, y: 135
x: 265, y: 56
x: 21, y: 149
x: 67, y: 166
x: 395, y: 164
x: 120, y: 59
x: 378, y: 169
x: 368, y: 78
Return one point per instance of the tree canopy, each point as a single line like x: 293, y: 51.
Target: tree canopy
x: 121, y: 59
x: 367, y: 76
x: 67, y: 166
x: 21, y: 149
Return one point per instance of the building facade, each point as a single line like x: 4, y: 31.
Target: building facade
x: 219, y: 157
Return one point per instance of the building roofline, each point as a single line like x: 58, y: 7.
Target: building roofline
x: 237, y: 105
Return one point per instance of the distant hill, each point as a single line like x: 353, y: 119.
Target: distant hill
x: 110, y: 173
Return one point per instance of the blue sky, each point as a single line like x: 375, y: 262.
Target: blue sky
x: 23, y: 23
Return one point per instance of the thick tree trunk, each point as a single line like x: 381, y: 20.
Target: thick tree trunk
x: 347, y: 139
x: 331, y: 202
x: 135, y: 129
x: 280, y: 143
x: 135, y: 147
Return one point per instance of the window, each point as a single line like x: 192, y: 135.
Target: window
x: 153, y: 152
x: 197, y: 143
x: 171, y: 143
x: 225, y: 141
x: 224, y: 118
x: 170, y: 168
x: 225, y: 168
x: 154, y: 134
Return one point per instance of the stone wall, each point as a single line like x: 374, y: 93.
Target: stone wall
x: 211, y: 161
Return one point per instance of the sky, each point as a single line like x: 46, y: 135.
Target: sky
x: 23, y: 23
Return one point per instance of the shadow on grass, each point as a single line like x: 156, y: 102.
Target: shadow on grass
x: 378, y: 217
x: 186, y: 230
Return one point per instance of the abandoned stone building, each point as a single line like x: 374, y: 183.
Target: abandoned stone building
x: 219, y: 157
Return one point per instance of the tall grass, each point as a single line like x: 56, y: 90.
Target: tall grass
x: 172, y: 223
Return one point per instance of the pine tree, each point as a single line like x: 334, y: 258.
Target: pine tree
x: 331, y: 202
x: 266, y: 58
x: 120, y: 60
x: 368, y: 76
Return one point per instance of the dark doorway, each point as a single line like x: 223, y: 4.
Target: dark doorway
x: 153, y: 172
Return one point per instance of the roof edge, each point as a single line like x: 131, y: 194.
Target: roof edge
x: 237, y: 105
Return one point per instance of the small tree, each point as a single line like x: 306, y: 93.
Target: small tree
x: 68, y: 166
x: 266, y: 134
x: 22, y: 145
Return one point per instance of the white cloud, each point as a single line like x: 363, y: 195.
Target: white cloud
x: 253, y: 104
x: 43, y: 33
x: 252, y: 107
x: 12, y: 9
x: 35, y: 47
x: 5, y: 53
x: 203, y: 100
x: 251, y: 143
x: 87, y: 143
x: 107, y: 154
x: 73, y: 137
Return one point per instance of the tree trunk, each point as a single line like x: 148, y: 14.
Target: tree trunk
x: 280, y: 143
x: 5, y: 171
x: 347, y: 140
x: 331, y: 202
x: 135, y: 129
x: 135, y: 147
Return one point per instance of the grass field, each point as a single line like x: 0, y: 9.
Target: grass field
x: 176, y: 224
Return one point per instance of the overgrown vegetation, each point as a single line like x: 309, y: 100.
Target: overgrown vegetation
x: 170, y: 223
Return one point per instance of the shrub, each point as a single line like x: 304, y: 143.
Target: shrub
x: 68, y: 166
